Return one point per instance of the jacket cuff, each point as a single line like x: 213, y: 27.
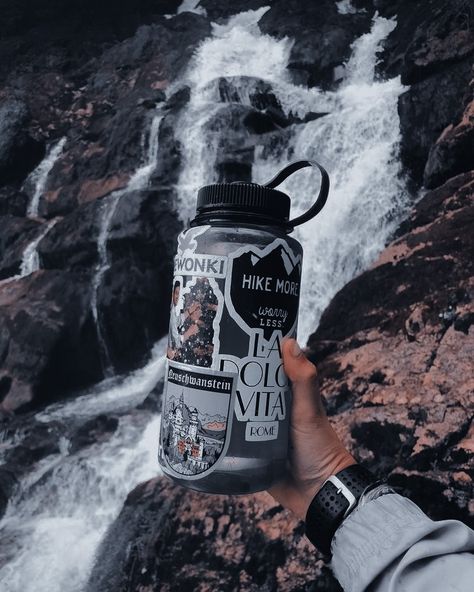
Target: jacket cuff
x: 372, y: 536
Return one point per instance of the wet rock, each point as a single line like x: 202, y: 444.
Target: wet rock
x: 93, y: 431
x: 445, y: 92
x: 453, y: 152
x: 184, y: 539
x: 15, y: 234
x: 428, y: 38
x: 51, y: 345
x: 322, y: 44
x: 19, y: 152
x: 432, y: 48
x: 394, y: 351
x: 8, y: 483
x: 141, y: 243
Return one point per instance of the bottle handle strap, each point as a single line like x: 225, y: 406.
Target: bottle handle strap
x: 323, y: 191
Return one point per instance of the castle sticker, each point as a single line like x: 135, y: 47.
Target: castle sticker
x: 196, y: 419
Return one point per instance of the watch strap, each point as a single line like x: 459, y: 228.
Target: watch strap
x: 334, y: 501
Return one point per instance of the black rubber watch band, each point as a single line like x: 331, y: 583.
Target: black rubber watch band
x: 337, y: 497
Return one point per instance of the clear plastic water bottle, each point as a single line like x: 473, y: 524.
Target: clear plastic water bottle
x: 235, y: 296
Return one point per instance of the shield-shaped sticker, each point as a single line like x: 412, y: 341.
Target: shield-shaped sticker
x: 196, y: 419
x: 263, y: 288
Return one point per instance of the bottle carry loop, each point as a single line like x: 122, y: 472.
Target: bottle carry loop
x: 323, y: 191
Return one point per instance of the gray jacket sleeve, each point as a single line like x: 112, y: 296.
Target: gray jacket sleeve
x: 390, y: 545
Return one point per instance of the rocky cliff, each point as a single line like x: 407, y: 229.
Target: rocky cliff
x: 394, y: 348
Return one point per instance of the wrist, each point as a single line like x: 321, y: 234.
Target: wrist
x: 338, y: 497
x: 341, y: 460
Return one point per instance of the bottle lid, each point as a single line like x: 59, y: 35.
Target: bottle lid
x: 263, y: 204
x: 258, y: 204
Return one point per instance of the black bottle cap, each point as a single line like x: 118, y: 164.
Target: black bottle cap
x: 242, y: 200
x: 258, y: 204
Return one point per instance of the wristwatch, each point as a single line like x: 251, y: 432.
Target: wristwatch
x: 338, y: 496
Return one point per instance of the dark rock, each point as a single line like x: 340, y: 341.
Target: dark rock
x: 445, y: 94
x: 92, y: 431
x: 322, y: 44
x: 432, y: 49
x: 133, y: 297
x: 19, y: 152
x: 8, y: 484
x: 453, y: 152
x: 221, y: 9
x: 13, y: 201
x: 429, y: 38
x: 15, y: 234
x: 72, y: 241
x: 52, y: 344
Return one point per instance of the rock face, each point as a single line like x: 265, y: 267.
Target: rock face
x: 432, y: 48
x: 103, y: 106
x: 395, y: 350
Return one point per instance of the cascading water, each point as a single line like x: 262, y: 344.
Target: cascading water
x: 30, y: 261
x: 61, y: 511
x: 138, y: 181
x: 357, y: 141
x: 39, y: 176
x: 56, y: 520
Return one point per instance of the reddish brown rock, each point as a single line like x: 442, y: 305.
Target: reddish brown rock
x: 170, y: 539
x: 395, y: 350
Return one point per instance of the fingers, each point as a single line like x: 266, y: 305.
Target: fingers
x: 307, y: 405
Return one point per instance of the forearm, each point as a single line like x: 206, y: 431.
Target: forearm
x: 389, y: 544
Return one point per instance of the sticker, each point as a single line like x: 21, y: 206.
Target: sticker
x: 263, y: 289
x: 195, y: 425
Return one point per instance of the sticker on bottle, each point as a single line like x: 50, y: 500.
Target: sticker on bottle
x: 196, y: 419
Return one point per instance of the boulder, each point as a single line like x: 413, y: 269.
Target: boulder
x: 169, y: 538
x: 432, y: 49
x: 445, y: 92
x: 49, y: 339
x: 322, y: 44
x: 453, y: 151
x: 19, y: 152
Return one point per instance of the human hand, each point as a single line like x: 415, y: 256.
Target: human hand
x: 315, y: 451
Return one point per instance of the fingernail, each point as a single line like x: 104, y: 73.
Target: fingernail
x: 296, y: 349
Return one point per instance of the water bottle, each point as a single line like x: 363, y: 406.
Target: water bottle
x: 235, y: 295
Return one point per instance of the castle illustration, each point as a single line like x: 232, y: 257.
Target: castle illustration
x: 183, y: 425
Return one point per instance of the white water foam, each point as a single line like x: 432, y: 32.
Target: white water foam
x: 357, y: 142
x: 54, y: 524
x: 30, y: 261
x: 39, y: 176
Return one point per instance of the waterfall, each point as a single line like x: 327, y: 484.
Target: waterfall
x: 139, y: 180
x: 62, y: 509
x: 357, y: 141
x: 56, y: 520
x: 191, y: 6
x: 30, y: 261
x: 39, y: 176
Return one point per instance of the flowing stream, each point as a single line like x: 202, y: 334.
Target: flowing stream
x: 357, y: 141
x: 55, y: 522
x: 139, y: 180
x: 39, y: 176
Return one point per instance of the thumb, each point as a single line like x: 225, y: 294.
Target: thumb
x: 307, y: 406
